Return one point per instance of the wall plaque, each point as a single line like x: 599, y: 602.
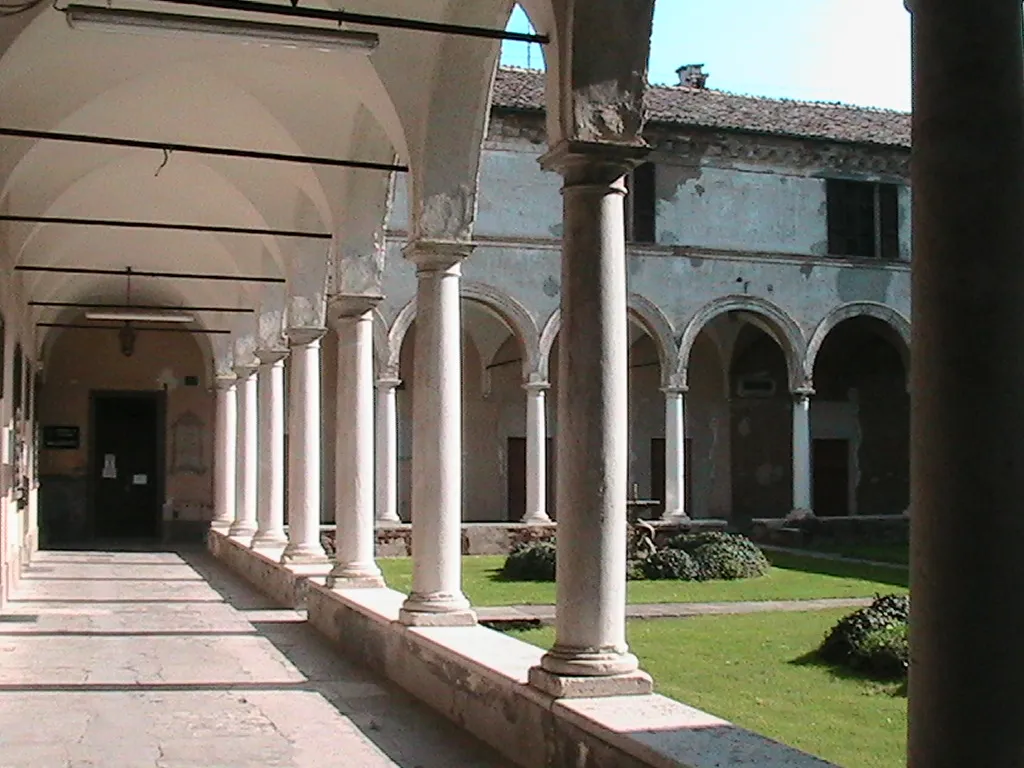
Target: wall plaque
x: 61, y: 438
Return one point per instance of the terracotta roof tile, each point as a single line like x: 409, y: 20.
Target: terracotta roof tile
x: 522, y: 89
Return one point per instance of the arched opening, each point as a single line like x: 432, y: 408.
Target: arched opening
x: 127, y: 447
x: 860, y: 421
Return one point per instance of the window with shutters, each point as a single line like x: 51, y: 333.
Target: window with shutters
x: 862, y: 219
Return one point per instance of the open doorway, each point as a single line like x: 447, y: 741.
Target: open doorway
x: 126, y: 464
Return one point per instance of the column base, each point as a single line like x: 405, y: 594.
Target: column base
x: 800, y: 514
x: 304, y: 554
x: 388, y: 523
x: 269, y: 540
x: 679, y: 516
x: 437, y: 610
x: 220, y: 525
x: 243, y: 532
x: 354, y: 577
x: 536, y: 518
x: 635, y: 683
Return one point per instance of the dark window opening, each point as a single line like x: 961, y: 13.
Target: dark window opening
x: 862, y: 219
x: 641, y: 220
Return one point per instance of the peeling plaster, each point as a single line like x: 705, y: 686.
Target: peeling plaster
x: 447, y: 215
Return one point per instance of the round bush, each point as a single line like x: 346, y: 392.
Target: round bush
x: 726, y: 556
x: 534, y: 561
x: 669, y: 564
x: 872, y: 639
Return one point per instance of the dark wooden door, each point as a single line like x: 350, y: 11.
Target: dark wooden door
x: 126, y: 478
x: 516, y: 478
x: 831, y: 477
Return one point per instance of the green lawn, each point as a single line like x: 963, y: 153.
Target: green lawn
x: 792, y: 577
x: 750, y: 669
x: 883, y: 553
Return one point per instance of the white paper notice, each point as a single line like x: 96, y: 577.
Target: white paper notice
x: 109, y: 466
x: 140, y: 479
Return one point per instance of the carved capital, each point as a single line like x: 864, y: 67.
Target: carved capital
x: 593, y: 163
x: 344, y: 305
x: 244, y: 371
x: 225, y: 382
x: 437, y: 255
x: 271, y: 355
x: 384, y: 384
x: 300, y: 337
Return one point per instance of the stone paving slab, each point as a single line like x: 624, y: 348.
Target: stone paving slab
x: 165, y: 660
x: 545, y: 614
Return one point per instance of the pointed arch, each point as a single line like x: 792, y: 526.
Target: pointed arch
x: 767, y: 316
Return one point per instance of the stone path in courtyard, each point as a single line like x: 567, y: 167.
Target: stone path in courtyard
x: 545, y: 614
x: 139, y: 659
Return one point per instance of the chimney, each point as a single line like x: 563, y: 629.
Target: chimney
x: 692, y: 75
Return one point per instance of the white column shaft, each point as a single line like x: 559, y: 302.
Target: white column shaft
x: 354, y: 539
x: 247, y: 462
x: 675, y: 455
x: 437, y: 449
x: 225, y: 459
x: 536, y: 456
x: 802, y: 452
x: 304, y: 470
x: 387, y: 453
x: 270, y: 508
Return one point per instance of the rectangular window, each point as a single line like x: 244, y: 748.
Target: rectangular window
x: 862, y: 219
x: 641, y: 221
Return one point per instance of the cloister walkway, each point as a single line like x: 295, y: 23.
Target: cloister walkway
x: 162, y: 658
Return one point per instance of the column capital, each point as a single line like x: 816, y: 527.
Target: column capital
x: 225, y: 382
x: 804, y: 392
x: 271, y: 356
x: 436, y: 255
x: 675, y: 389
x: 537, y: 386
x: 589, y: 162
x: 245, y: 371
x: 299, y: 337
x: 386, y: 383
x: 344, y: 305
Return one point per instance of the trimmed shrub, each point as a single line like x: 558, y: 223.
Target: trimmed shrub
x: 669, y: 564
x: 872, y: 639
x: 534, y: 561
x: 718, y: 555
x: 635, y: 570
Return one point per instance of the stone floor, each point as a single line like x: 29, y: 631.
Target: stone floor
x: 138, y: 659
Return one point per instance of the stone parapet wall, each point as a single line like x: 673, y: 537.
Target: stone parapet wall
x: 855, y: 529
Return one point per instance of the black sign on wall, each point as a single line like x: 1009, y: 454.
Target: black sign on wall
x: 61, y: 438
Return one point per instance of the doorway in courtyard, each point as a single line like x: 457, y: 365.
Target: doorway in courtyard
x: 125, y: 466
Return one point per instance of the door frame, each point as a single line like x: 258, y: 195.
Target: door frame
x: 159, y: 397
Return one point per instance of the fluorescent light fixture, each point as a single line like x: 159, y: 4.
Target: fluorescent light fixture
x: 128, y: 316
x: 258, y: 32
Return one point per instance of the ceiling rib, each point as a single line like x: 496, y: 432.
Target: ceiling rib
x: 199, y: 149
x: 144, y: 273
x: 136, y: 328
x: 128, y: 224
x: 148, y: 307
x: 371, y: 20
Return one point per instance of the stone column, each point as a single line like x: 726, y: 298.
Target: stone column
x: 436, y: 597
x: 354, y: 564
x: 675, y: 454
x: 247, y: 457
x: 270, y: 506
x: 226, y: 446
x: 967, y: 455
x: 304, y: 446
x: 590, y: 656
x: 536, y: 453
x: 802, y: 504
x: 387, y: 452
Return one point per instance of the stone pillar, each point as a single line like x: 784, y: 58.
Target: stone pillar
x: 536, y: 453
x: 967, y: 455
x: 436, y: 597
x: 802, y: 504
x: 304, y: 446
x: 590, y: 656
x: 675, y: 454
x: 387, y: 452
x: 247, y: 456
x: 270, y: 506
x: 354, y: 564
x: 226, y: 446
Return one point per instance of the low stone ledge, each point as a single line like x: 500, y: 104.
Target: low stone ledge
x: 478, y: 678
x: 849, y: 530
x: 285, y: 585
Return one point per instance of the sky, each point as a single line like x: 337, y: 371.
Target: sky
x: 852, y: 51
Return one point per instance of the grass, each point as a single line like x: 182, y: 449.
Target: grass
x: 792, y: 577
x: 883, y: 553
x: 754, y: 670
